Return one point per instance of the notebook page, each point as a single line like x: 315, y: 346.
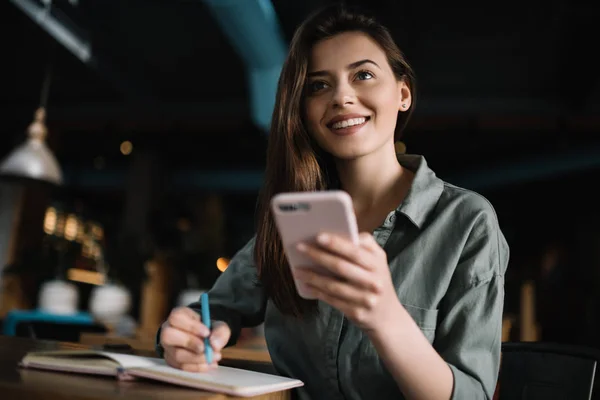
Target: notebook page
x: 131, y: 361
x: 89, y: 363
x: 71, y: 361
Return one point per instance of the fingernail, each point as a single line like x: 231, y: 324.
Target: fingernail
x: 301, y: 247
x: 216, y: 343
x: 203, y: 331
x: 323, y: 238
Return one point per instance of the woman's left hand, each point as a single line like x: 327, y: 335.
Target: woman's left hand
x: 361, y: 286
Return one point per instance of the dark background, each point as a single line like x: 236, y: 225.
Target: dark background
x: 508, y: 105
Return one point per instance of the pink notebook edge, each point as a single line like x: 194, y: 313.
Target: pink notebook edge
x: 241, y: 392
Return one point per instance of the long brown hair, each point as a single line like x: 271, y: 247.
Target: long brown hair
x: 295, y: 162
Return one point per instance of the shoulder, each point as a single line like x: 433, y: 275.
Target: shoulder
x: 468, y: 208
x: 485, y: 246
x: 247, y: 251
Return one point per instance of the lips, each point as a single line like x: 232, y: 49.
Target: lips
x: 345, y: 117
x: 348, y: 124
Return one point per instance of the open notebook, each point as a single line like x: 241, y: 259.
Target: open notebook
x: 226, y: 380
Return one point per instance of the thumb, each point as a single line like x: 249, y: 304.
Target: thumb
x: 220, y: 335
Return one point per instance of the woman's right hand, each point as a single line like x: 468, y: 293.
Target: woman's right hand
x: 182, y: 338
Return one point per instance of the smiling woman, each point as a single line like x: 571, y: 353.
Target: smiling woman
x: 414, y: 309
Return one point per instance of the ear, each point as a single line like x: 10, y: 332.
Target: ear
x: 404, y: 96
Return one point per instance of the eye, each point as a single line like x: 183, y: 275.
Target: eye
x: 316, y: 86
x: 364, y: 75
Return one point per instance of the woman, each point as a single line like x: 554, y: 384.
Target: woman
x: 417, y: 311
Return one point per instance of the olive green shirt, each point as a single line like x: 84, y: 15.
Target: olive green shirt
x: 447, y: 258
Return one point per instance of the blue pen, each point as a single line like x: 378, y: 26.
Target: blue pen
x: 206, y: 321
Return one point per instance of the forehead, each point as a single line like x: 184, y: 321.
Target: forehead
x: 343, y: 49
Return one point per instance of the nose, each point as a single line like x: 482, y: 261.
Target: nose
x: 343, y: 95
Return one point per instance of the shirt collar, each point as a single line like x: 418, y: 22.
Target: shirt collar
x: 424, y: 192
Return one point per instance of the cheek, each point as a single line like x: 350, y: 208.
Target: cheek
x: 385, y: 104
x: 314, y: 113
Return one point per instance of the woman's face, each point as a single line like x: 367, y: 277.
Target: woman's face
x: 352, y: 96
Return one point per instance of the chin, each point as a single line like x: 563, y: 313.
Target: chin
x: 348, y: 154
x: 349, y: 147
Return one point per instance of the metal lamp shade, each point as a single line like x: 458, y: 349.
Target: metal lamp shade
x: 33, y: 159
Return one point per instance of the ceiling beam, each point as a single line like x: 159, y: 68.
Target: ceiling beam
x: 253, y: 29
x: 68, y: 35
x: 532, y: 168
x: 79, y: 46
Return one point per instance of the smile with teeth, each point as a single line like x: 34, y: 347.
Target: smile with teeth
x: 349, y: 122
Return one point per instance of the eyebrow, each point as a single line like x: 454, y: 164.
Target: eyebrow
x: 353, y: 65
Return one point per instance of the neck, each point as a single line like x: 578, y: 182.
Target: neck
x: 372, y: 181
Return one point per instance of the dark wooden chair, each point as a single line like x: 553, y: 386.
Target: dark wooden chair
x: 548, y: 371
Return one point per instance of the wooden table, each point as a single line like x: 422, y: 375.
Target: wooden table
x: 17, y: 383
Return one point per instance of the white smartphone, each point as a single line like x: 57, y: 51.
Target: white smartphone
x: 301, y: 216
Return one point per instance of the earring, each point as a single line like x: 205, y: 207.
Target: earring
x: 403, y: 105
x: 400, y: 147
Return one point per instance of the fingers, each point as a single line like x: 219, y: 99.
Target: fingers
x: 351, y: 292
x: 342, y: 247
x: 182, y: 338
x: 362, y: 254
x: 188, y: 361
x: 368, y: 242
x: 330, y: 261
x: 184, y: 329
x: 174, y: 337
x: 340, y: 265
x: 343, y: 272
x: 198, y: 367
x: 220, y: 335
x: 184, y: 356
x: 188, y: 320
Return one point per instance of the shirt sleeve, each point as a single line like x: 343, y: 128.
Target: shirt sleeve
x: 469, y: 332
x: 237, y: 297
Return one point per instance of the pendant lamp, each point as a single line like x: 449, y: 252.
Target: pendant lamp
x: 34, y: 159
